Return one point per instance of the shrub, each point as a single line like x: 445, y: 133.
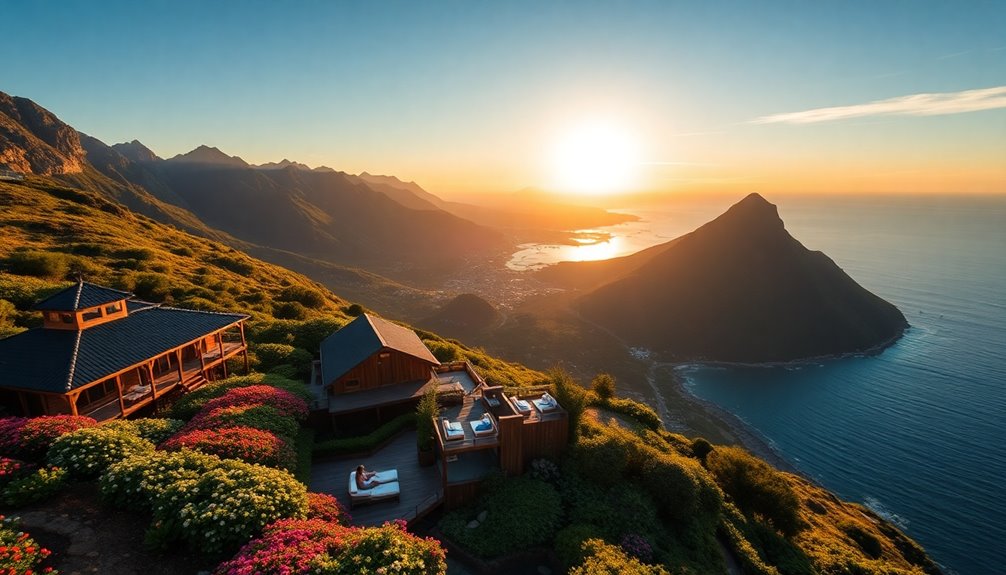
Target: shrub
x: 603, y: 385
x: 154, y: 430
x: 271, y: 355
x: 287, y: 546
x: 569, y: 543
x: 262, y: 417
x: 152, y: 286
x: 134, y: 482
x: 237, y: 265
x: 637, y: 546
x: 10, y: 434
x: 444, y: 352
x: 289, y: 310
x: 606, y: 455
x: 389, y: 548
x: 521, y: 513
x: 310, y: 298
x: 225, y: 506
x: 756, y: 487
x: 545, y: 470
x: 24, y: 291
x: 570, y: 396
x: 19, y: 553
x: 40, y: 264
x: 303, y: 334
x: 327, y: 508
x: 87, y: 453
x: 701, y: 448
x: 865, y: 540
x: 365, y: 443
x: 680, y: 488
x: 244, y: 443
x: 602, y: 559
x: 31, y: 438
x: 426, y: 414
x: 284, y: 401
x: 11, y: 469
x: 642, y: 413
x: 191, y: 403
x: 39, y: 485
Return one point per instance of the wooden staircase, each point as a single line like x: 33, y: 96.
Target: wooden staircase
x: 194, y: 383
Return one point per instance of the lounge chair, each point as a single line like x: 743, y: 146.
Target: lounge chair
x: 522, y: 405
x: 546, y: 403
x: 453, y: 430
x: 483, y: 426
x: 380, y: 492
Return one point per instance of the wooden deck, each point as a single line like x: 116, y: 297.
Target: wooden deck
x: 420, y: 486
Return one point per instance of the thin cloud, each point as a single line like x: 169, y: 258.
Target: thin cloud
x: 935, y: 104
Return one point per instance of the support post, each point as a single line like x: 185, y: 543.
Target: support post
x: 122, y: 401
x: 181, y: 370
x: 72, y: 400
x: 220, y: 341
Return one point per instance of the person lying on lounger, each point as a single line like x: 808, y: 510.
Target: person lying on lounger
x: 366, y: 479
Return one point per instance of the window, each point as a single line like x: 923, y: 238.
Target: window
x: 66, y: 317
x: 92, y: 314
x: 113, y: 308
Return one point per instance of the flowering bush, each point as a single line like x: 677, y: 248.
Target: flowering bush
x: 87, y: 453
x: 244, y: 443
x: 637, y: 546
x: 35, y: 486
x: 154, y: 430
x: 11, y: 469
x: 386, y: 549
x: 191, y: 403
x: 264, y: 417
x: 288, y: 546
x: 134, y: 482
x: 30, y: 439
x: 327, y: 508
x: 286, y: 402
x: 10, y: 434
x: 225, y: 506
x: 19, y: 554
x: 317, y: 547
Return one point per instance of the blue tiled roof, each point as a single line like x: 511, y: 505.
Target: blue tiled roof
x: 362, y: 338
x: 81, y: 295
x: 58, y: 361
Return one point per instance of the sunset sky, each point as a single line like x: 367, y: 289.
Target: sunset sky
x: 467, y: 97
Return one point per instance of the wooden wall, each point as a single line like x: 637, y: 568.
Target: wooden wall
x: 545, y: 438
x: 460, y: 494
x: 511, y: 444
x: 376, y: 371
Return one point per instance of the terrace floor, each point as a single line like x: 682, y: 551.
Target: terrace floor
x: 420, y: 486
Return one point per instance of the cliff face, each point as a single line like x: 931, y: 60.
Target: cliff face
x: 742, y: 289
x: 34, y: 141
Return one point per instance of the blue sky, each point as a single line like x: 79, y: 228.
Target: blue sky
x: 468, y: 96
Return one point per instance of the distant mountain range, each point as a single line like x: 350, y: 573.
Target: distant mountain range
x: 738, y: 289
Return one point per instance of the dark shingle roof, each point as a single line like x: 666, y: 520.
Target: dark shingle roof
x: 57, y: 360
x: 81, y: 295
x: 363, y: 337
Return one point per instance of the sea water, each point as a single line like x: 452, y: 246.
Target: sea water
x: 918, y: 433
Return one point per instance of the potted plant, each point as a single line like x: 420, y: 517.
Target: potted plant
x: 427, y: 413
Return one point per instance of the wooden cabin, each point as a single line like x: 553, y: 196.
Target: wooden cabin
x: 103, y: 354
x: 374, y: 368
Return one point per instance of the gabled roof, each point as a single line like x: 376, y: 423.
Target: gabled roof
x: 362, y: 338
x: 57, y: 361
x: 83, y: 295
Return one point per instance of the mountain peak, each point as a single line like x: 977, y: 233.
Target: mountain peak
x: 33, y: 140
x: 209, y: 155
x: 135, y: 151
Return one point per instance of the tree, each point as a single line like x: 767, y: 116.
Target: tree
x: 603, y: 385
x: 570, y: 396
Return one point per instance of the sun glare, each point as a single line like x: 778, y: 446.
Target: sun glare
x: 595, y: 158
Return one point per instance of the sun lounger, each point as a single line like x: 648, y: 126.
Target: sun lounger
x: 546, y: 403
x: 453, y: 430
x: 380, y: 492
x: 522, y: 405
x: 483, y: 426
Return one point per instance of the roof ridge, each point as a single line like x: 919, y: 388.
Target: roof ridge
x: 377, y: 330
x: 162, y: 306
x: 73, y: 360
x: 80, y: 290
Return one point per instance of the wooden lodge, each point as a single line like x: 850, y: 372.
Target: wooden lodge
x: 373, y: 369
x: 103, y: 354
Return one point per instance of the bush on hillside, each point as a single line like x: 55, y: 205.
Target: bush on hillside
x: 29, y: 439
x: 48, y: 265
x: 520, y: 513
x: 701, y: 448
x: 289, y: 310
x: 134, y: 482
x: 386, y: 549
x: 282, y: 400
x: 271, y: 355
x: 570, y: 396
x: 642, y: 413
x: 603, y: 385
x: 154, y: 430
x: 240, y: 266
x: 244, y: 443
x: 309, y: 298
x: 288, y: 546
x: 151, y: 286
x: 756, y: 487
x: 193, y: 402
x: 569, y: 543
x: 445, y: 352
x: 24, y: 291
x: 303, y: 334
x: 263, y: 417
x: 87, y: 453
x: 681, y: 487
x: 602, y: 558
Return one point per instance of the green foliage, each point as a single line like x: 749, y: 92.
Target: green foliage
x: 386, y: 549
x: 520, y: 513
x: 354, y: 310
x: 271, y: 355
x: 134, y: 482
x: 309, y: 298
x: 191, y: 403
x: 365, y: 443
x: 444, y: 351
x: 604, y: 559
x: 151, y: 286
x: 87, y: 453
x: 681, y: 487
x: 603, y: 385
x: 756, y: 487
x: 289, y: 310
x: 304, y: 448
x: 7, y: 313
x: 427, y: 412
x: 38, y: 485
x: 263, y: 417
x: 570, y: 396
x: 303, y: 334
x: 154, y: 430
x: 603, y: 457
x: 24, y: 291
x: 640, y: 412
x: 40, y: 264
x: 701, y: 448
x: 29, y: 439
x: 238, y: 265
x: 865, y: 540
x: 569, y: 543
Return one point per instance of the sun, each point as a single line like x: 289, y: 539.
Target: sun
x: 595, y: 158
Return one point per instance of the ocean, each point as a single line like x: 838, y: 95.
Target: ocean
x: 918, y: 432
